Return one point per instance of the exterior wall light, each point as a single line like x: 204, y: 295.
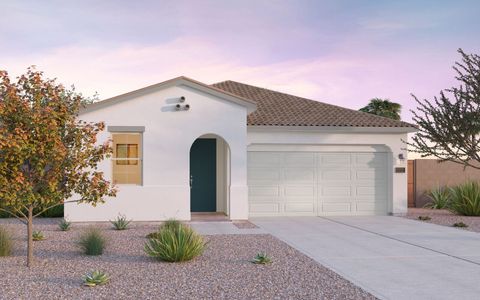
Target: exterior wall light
x: 401, y: 157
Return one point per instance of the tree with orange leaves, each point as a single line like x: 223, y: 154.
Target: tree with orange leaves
x: 47, y: 156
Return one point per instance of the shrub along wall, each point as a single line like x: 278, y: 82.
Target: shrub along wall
x: 429, y: 174
x: 56, y: 212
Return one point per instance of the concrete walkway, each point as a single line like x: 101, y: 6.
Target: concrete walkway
x: 214, y: 228
x: 391, y: 257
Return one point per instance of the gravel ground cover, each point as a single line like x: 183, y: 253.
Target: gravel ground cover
x: 444, y: 217
x: 222, y: 272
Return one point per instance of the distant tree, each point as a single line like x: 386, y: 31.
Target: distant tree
x: 384, y: 108
x: 46, y: 155
x: 449, y: 126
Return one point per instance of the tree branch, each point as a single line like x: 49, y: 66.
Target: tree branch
x: 14, y: 215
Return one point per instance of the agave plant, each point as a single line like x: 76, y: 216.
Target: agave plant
x: 439, y: 198
x: 121, y: 222
x: 466, y: 199
x: 38, y: 235
x: 261, y: 259
x: 64, y: 225
x: 95, y: 278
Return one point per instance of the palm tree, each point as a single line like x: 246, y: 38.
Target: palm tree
x: 384, y: 108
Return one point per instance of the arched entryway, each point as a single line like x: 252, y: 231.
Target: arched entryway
x: 209, y: 175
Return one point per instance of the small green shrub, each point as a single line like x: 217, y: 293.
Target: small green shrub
x: 92, y: 241
x: 64, y: 225
x: 439, y: 198
x: 120, y: 223
x: 466, y: 199
x: 95, y: 278
x: 424, y: 218
x: 169, y: 224
x: 261, y: 259
x: 174, y: 244
x: 38, y: 235
x: 460, y: 224
x: 6, y: 244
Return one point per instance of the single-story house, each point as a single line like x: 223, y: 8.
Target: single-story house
x: 182, y: 146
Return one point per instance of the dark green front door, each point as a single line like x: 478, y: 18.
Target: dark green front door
x: 203, y: 176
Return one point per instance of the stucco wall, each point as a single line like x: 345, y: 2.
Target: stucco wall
x: 430, y: 174
x: 348, y: 142
x: 167, y: 139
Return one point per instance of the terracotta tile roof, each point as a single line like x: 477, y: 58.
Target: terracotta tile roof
x: 279, y: 109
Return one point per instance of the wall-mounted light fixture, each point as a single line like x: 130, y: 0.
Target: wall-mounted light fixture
x: 401, y: 157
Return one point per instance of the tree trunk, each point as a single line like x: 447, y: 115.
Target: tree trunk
x: 30, y: 237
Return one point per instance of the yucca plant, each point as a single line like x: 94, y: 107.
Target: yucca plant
x: 95, y: 278
x: 5, y: 242
x: 466, y: 199
x: 92, y: 241
x: 38, y: 235
x: 439, y: 198
x: 261, y: 259
x: 169, y: 224
x: 64, y: 225
x: 174, y: 244
x: 121, y: 222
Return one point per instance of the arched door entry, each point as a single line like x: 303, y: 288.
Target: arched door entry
x: 203, y: 175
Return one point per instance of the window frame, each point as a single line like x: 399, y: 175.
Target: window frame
x: 139, y: 158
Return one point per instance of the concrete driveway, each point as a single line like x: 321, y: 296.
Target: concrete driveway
x: 391, y: 257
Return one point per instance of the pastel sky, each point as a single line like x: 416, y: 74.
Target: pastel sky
x: 340, y: 52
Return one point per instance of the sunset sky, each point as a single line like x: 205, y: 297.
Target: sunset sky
x: 340, y: 52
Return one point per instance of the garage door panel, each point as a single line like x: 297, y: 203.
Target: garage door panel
x: 264, y: 208
x: 335, y: 191
x: 264, y: 191
x: 311, y: 183
x: 307, y: 207
x: 336, y: 207
x: 264, y: 159
x: 299, y: 191
x: 335, y: 174
x: 264, y: 174
x: 337, y: 159
x: 299, y: 175
x: 299, y: 159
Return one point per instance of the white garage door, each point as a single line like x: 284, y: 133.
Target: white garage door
x: 317, y: 183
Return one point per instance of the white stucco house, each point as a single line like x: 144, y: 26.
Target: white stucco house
x: 182, y: 146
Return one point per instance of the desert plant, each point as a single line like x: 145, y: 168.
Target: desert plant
x: 175, y: 244
x: 92, y: 241
x: 439, y: 198
x: 95, y: 278
x: 460, y: 224
x: 5, y: 242
x: 466, y: 199
x: 169, y: 224
x: 120, y: 223
x: 38, y: 235
x: 424, y: 218
x: 64, y: 225
x: 261, y: 259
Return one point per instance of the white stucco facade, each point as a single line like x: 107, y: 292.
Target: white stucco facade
x: 168, y: 134
x: 167, y: 138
